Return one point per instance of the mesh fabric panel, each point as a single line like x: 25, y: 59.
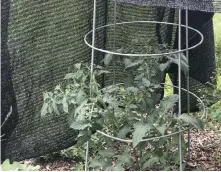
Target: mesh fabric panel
x: 196, y: 5
x: 45, y: 40
x: 9, y: 115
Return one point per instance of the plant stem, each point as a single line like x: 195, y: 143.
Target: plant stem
x: 136, y: 158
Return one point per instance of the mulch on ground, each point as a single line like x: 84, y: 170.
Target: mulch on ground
x: 205, y: 155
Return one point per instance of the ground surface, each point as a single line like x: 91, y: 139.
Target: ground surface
x: 206, y: 151
x: 205, y: 155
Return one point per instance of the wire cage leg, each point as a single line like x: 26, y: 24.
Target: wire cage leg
x: 92, y: 70
x: 179, y: 85
x: 114, y: 45
x: 188, y: 80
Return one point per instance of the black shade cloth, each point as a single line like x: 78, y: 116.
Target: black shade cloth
x: 9, y: 114
x: 196, y: 5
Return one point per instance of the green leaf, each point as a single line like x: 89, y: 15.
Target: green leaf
x: 162, y: 160
x: 109, y: 168
x: 145, y: 156
x: 77, y: 66
x: 58, y: 87
x: 133, y: 106
x: 197, y: 123
x: 139, y: 77
x: 129, y: 64
x: 97, y: 126
x: 150, y: 162
x: 146, y: 82
x: 16, y: 166
x: 120, y: 50
x: 100, y: 72
x: 162, y: 129
x: 111, y: 101
x: 132, y: 89
x: 110, y: 89
x: 128, y: 81
x: 80, y: 125
x: 170, y: 101
x: 81, y: 97
x: 50, y: 109
x: 175, y: 141
x: 108, y: 141
x: 79, y: 167
x: 125, y: 158
x: 55, y: 108
x: 168, y: 168
x: 123, y: 132
x: 107, y: 153
x: 31, y: 168
x: 164, y: 66
x: 44, y: 109
x: 65, y: 104
x: 97, y: 163
x: 69, y: 76
x: 83, y: 137
x: 80, y: 111
x: 118, y: 167
x: 107, y: 59
x: 47, y: 95
x: 140, y: 131
x: 6, y: 166
x: 82, y: 133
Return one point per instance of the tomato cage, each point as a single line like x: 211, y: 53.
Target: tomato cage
x: 130, y: 39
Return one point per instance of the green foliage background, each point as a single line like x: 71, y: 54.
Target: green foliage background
x: 217, y: 29
x: 214, y: 112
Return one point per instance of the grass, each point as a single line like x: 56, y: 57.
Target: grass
x: 217, y: 33
x: 217, y: 30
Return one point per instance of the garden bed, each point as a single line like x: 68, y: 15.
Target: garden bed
x: 205, y: 156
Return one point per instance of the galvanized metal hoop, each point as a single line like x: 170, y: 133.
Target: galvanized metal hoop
x: 143, y: 55
x: 160, y: 137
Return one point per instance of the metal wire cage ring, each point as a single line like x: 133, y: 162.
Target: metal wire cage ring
x: 163, y: 136
x: 143, y: 55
